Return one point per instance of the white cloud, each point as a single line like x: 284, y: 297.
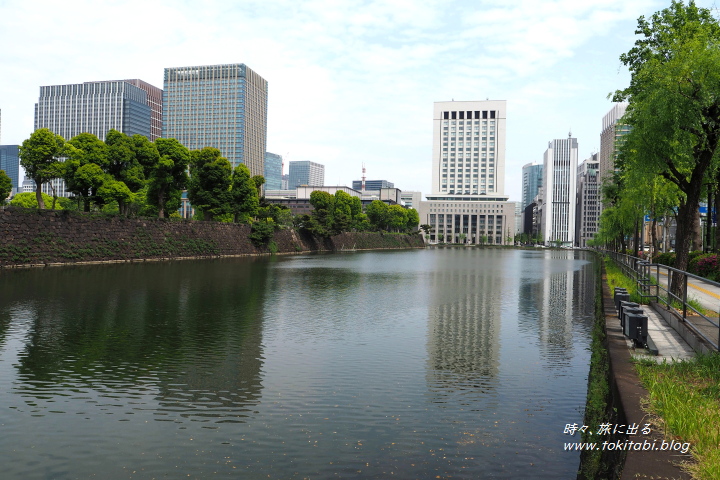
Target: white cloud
x: 349, y: 82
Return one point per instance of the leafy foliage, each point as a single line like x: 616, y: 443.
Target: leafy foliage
x: 29, y: 200
x: 244, y: 195
x: 209, y: 185
x: 5, y: 186
x: 167, y: 176
x: 40, y: 156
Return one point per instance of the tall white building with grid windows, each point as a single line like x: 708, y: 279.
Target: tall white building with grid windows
x: 467, y: 204
x: 559, y: 186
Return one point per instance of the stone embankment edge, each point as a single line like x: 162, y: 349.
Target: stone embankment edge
x: 42, y: 238
x: 629, y: 393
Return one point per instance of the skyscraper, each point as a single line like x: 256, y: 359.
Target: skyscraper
x: 94, y: 107
x: 469, y: 148
x: 610, y: 139
x: 305, y: 172
x: 154, y: 100
x: 467, y: 204
x: 10, y: 163
x: 532, y: 178
x: 588, y: 201
x: 559, y: 177
x: 273, y: 171
x: 128, y: 106
x: 220, y: 106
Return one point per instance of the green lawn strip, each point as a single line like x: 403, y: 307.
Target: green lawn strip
x: 685, y: 396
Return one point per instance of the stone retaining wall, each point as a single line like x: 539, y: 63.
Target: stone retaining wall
x: 46, y: 237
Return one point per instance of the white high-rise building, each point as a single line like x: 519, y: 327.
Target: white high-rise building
x: 588, y: 201
x: 559, y: 186
x: 467, y: 204
x: 469, y: 148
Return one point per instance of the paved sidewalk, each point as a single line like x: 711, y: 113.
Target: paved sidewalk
x: 669, y: 344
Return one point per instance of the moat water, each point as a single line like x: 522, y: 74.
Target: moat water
x: 439, y: 363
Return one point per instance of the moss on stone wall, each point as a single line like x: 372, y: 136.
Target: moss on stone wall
x: 37, y: 237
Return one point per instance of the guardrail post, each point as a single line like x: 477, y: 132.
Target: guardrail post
x: 685, y: 297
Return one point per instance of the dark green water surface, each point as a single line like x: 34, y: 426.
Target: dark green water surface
x: 439, y: 363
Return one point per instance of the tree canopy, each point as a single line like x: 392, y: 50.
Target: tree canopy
x: 5, y: 186
x: 40, y: 156
x: 674, y: 107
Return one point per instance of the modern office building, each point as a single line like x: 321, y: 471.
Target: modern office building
x: 220, y: 106
x: 411, y: 199
x: 611, y: 139
x: 371, y: 185
x: 273, y: 171
x: 588, y: 201
x: 154, y: 100
x: 469, y: 148
x: 10, y: 163
x: 559, y: 186
x: 532, y: 179
x: 94, y: 107
x: 467, y: 204
x: 305, y: 172
x: 128, y: 106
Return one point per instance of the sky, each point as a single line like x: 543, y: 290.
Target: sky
x: 350, y: 82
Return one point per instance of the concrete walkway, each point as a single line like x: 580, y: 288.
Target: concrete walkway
x: 663, y: 339
x: 628, y: 394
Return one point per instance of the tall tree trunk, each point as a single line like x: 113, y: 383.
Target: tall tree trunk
x: 38, y: 194
x: 636, y: 239
x: 697, y: 231
x: 686, y: 221
x: 653, y: 237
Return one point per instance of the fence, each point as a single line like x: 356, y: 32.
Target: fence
x: 648, y: 277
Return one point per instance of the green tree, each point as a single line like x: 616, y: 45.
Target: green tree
x: 167, y: 176
x: 342, y: 214
x: 114, y: 191
x: 123, y: 165
x: 84, y: 174
x: 29, y: 200
x: 413, y: 219
x: 40, y: 156
x: 359, y: 219
x: 397, y: 217
x: 209, y: 185
x: 258, y: 181
x: 378, y: 214
x: 244, y: 196
x: 674, y: 107
x: 5, y: 186
x: 147, y: 153
x: 321, y: 218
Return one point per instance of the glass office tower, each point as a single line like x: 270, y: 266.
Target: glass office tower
x: 220, y: 106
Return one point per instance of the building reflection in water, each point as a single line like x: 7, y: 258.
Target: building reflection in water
x: 555, y: 298
x: 464, y: 320
x: 177, y: 338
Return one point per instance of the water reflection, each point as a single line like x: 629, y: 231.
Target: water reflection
x: 185, y: 344
x: 464, y: 316
x: 420, y: 364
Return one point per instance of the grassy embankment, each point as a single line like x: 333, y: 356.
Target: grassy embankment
x: 598, y: 408
x: 684, y: 398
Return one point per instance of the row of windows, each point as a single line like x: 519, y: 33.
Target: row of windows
x: 462, y: 115
x: 468, y: 122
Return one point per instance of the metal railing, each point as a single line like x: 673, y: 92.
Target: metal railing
x: 648, y: 278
